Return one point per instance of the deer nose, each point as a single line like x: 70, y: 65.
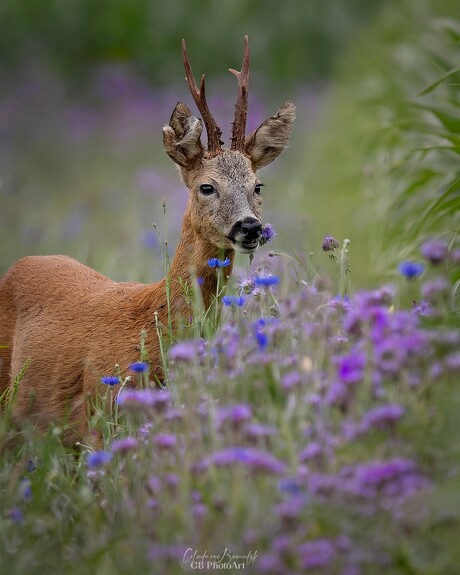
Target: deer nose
x: 251, y: 228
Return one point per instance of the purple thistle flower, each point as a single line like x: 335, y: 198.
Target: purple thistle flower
x: 110, y: 380
x: 411, y: 269
x: 217, y: 263
x: 247, y: 284
x: 268, y: 233
x: 330, y: 244
x: 435, y: 251
x: 124, y: 445
x: 231, y: 300
x: 248, y: 456
x: 98, y: 459
x: 139, y: 366
x: 266, y: 281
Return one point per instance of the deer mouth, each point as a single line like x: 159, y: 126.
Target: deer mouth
x: 246, y: 246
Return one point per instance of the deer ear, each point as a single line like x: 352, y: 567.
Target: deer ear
x: 181, y: 138
x: 267, y: 142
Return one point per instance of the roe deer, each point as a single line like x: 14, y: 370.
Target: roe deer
x: 70, y: 324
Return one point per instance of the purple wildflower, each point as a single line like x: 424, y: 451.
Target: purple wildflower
x: 235, y: 415
x: 15, y: 514
x: 435, y: 251
x: 384, y: 416
x: 268, y: 233
x: 350, y: 368
x: 110, y: 380
x: 291, y: 379
x: 124, y: 445
x: 250, y: 457
x: 411, y: 269
x: 217, y: 263
x: 256, y: 430
x: 183, y: 351
x: 98, y: 458
x: 266, y: 281
x: 165, y: 440
x: 139, y: 366
x: 144, y: 398
x: 247, y: 284
x: 435, y: 289
x: 316, y: 553
x: 231, y: 300
x: 330, y: 244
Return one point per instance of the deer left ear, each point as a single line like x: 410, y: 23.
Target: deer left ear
x: 267, y: 142
x: 181, y: 138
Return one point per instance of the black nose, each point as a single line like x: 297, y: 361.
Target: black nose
x: 251, y: 228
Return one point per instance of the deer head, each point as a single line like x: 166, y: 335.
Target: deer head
x: 225, y: 193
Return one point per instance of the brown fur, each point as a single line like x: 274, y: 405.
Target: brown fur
x: 72, y: 325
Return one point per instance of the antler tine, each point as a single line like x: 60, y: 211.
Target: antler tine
x: 199, y: 95
x: 241, y: 106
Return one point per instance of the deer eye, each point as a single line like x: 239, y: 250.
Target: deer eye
x: 207, y: 189
x: 258, y: 189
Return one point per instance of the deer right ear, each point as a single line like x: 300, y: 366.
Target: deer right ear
x: 269, y: 140
x: 181, y: 138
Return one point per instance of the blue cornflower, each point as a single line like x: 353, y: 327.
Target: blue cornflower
x: 268, y: 233
x: 110, y: 380
x: 217, y: 263
x: 98, y: 458
x: 411, y: 269
x: 266, y: 281
x: 262, y: 339
x: 139, y: 366
x: 233, y: 300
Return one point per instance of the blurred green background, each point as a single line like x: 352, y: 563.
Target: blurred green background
x: 85, y: 88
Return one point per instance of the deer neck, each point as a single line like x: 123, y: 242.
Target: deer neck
x: 190, y: 263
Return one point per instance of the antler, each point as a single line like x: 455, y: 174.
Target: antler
x: 199, y: 95
x: 241, y: 106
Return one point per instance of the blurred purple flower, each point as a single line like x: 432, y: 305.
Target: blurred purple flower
x: 124, y: 445
x: 435, y: 251
x: 350, y: 368
x: 316, y: 553
x: 235, y: 415
x: 15, y: 514
x: 184, y: 351
x: 250, y: 457
x: 144, y: 398
x: 98, y: 459
x: 411, y: 269
x: 165, y: 440
x: 435, y: 289
x: 384, y: 416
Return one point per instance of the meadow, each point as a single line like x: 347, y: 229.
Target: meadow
x: 314, y: 427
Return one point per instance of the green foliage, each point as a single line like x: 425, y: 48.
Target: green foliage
x: 385, y: 161
x: 294, y: 40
